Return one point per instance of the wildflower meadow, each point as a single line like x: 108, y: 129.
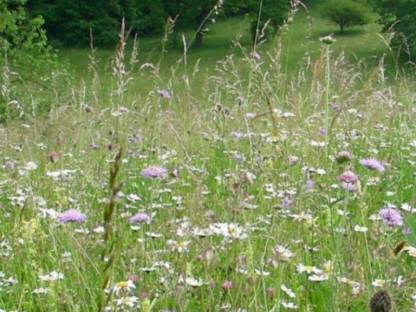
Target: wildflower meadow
x: 251, y: 182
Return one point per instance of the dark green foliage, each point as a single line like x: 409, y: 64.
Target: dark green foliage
x: 235, y: 7
x: 347, y: 13
x: 191, y: 14
x: 148, y: 17
x: 70, y: 21
x: 273, y: 12
x: 399, y: 16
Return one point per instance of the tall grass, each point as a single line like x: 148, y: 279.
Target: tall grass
x: 250, y: 214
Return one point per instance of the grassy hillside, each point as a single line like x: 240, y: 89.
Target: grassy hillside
x: 362, y: 43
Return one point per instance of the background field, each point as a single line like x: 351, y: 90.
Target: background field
x: 232, y: 37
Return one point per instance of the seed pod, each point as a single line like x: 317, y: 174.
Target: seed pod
x: 400, y: 246
x: 381, y: 302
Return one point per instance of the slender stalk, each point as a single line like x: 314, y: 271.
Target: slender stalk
x: 327, y: 94
x: 108, y: 254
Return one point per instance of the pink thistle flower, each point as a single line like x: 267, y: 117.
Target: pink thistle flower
x: 133, y: 277
x: 349, y: 181
x: 348, y: 177
x: 227, y: 285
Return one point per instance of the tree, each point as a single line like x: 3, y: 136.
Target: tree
x: 347, y: 13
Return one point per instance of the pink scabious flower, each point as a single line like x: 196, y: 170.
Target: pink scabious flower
x: 154, y: 172
x: 372, y: 164
x: 71, y: 215
x: 140, y: 217
x: 349, y: 181
x: 391, y: 217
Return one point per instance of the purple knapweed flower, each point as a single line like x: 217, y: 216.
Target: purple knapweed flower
x: 391, y: 217
x: 238, y: 135
x: 153, y: 172
x: 139, y: 217
x: 407, y: 231
x: 372, y: 164
x: 309, y: 185
x: 71, y: 215
x: 286, y: 202
x: 164, y: 94
x: 335, y: 106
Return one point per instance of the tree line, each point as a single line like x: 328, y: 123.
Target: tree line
x: 25, y: 24
x: 69, y: 22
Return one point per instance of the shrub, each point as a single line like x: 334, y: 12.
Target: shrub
x: 18, y: 31
x: 25, y: 60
